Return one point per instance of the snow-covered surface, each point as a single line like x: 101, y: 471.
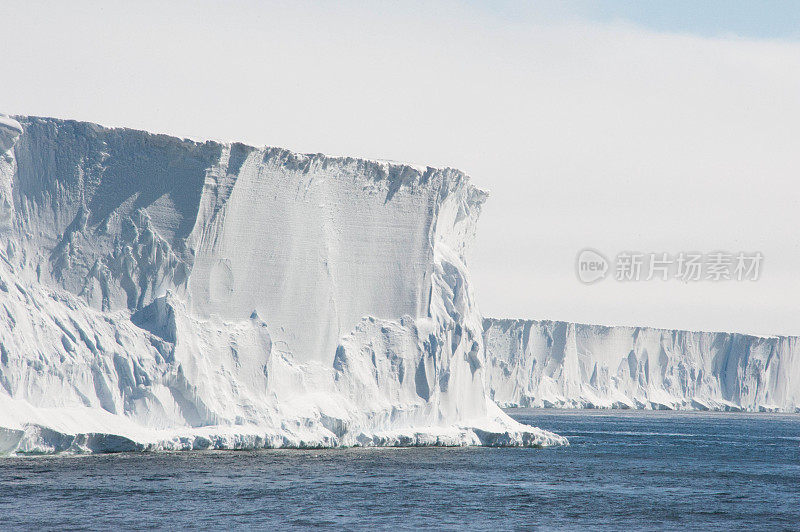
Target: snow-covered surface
x: 571, y: 365
x: 160, y: 293
x: 10, y: 129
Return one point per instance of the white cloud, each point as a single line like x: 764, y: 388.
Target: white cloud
x: 612, y: 137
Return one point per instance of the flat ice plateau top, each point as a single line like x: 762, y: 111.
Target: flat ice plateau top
x: 160, y: 293
x: 572, y: 365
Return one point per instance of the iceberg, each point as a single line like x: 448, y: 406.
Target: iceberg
x: 573, y: 365
x: 163, y: 293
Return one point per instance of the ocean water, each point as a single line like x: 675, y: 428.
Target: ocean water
x: 624, y: 470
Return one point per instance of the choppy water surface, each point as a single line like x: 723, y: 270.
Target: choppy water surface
x: 656, y: 470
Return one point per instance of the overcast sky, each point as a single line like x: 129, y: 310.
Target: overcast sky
x: 611, y: 125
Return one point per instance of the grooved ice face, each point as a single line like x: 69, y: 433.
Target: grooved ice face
x: 190, y: 295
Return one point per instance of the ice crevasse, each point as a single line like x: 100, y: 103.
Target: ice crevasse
x: 160, y: 293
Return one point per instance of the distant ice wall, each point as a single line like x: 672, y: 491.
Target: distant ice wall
x: 552, y: 363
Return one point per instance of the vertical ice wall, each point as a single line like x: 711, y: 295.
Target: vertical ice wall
x: 313, y: 244
x: 176, y: 294
x: 547, y: 363
x: 106, y: 213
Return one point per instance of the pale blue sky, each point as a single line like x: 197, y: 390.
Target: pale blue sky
x: 759, y: 19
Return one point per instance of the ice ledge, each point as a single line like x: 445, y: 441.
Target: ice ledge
x: 39, y: 440
x: 36, y: 439
x: 28, y: 430
x: 10, y: 129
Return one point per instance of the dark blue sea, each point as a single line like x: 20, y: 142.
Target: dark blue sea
x: 624, y: 470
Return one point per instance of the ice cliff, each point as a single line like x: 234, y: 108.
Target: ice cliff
x: 160, y: 293
x: 559, y: 364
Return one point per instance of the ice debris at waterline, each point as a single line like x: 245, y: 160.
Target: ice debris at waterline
x: 571, y: 365
x: 160, y: 293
